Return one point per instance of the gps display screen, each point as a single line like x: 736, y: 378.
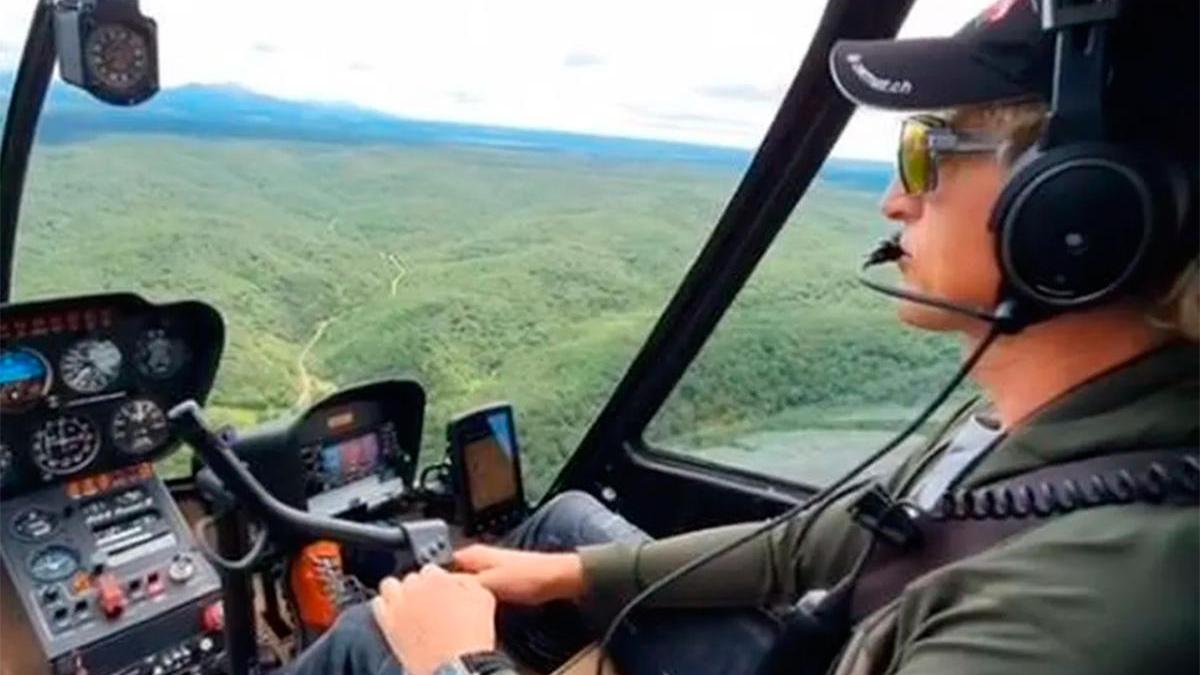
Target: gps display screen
x: 491, y: 465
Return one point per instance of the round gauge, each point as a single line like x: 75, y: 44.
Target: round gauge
x: 65, y: 445
x: 139, y: 426
x: 89, y: 366
x: 54, y: 563
x: 157, y: 355
x: 34, y: 524
x: 117, y: 57
x: 24, y: 379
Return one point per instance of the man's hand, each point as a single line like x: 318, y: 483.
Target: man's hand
x: 524, y: 577
x: 433, y: 616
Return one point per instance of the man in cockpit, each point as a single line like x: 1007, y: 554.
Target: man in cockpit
x: 1111, y: 589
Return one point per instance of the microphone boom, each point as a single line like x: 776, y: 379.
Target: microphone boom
x: 889, y: 250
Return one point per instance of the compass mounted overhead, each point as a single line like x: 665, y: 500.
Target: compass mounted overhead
x: 108, y: 48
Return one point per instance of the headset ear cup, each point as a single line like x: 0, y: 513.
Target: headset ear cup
x: 1074, y: 225
x: 1002, y: 219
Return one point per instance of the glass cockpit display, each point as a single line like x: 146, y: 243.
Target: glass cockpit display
x: 350, y: 459
x: 346, y: 444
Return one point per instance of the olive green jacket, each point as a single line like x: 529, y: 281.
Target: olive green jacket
x: 1114, y: 589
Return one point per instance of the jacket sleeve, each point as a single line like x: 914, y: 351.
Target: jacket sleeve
x: 775, y: 566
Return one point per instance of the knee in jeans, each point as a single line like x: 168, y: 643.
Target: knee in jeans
x: 566, y: 521
x: 573, y: 502
x: 357, y: 618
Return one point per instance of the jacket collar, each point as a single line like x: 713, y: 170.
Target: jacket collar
x: 1151, y: 402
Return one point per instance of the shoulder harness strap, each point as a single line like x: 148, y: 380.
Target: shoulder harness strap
x: 967, y: 522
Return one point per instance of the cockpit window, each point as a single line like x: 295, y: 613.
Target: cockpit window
x: 496, y: 199
x: 809, y: 372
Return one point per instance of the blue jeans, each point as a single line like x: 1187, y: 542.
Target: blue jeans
x: 651, y: 642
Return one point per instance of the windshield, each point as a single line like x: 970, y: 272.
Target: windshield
x: 494, y: 199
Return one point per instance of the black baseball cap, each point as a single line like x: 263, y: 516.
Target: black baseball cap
x: 1004, y: 54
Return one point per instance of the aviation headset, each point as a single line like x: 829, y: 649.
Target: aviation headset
x: 1084, y: 219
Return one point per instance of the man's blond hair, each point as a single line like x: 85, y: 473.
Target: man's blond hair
x: 1177, y: 308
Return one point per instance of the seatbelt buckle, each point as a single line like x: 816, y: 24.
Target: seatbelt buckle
x: 886, y: 518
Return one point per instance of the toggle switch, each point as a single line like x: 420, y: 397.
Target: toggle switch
x: 112, y: 597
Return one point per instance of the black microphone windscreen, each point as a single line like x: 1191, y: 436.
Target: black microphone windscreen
x: 887, y: 251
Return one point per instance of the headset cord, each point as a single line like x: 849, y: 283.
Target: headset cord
x: 823, y: 497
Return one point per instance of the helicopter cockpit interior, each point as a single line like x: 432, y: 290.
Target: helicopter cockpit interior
x: 108, y: 568
x: 101, y: 558
x: 105, y: 566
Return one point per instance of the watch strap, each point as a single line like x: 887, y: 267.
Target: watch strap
x: 452, y: 667
x: 488, y: 663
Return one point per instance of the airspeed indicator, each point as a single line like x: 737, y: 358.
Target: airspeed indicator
x: 90, y: 366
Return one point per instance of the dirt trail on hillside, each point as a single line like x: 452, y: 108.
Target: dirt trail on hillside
x: 401, y: 270
x: 306, y: 383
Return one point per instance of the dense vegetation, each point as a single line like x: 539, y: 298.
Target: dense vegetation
x: 485, y: 273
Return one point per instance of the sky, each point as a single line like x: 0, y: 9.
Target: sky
x: 686, y: 70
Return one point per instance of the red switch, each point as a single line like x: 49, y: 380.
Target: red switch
x: 154, y: 585
x: 112, y: 596
x: 213, y: 618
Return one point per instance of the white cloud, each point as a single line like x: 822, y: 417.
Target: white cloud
x: 10, y: 54
x: 582, y: 60
x: 740, y: 92
x: 693, y: 70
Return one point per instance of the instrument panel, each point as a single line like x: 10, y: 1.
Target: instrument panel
x: 85, y: 383
x: 107, y: 576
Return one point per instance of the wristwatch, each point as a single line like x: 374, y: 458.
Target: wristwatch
x: 477, y: 663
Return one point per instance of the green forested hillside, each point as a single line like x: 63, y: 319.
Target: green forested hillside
x: 486, y: 274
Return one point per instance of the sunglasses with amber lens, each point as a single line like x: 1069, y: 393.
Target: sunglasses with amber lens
x: 923, y: 140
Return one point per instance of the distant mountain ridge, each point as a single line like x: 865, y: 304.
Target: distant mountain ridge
x: 229, y: 111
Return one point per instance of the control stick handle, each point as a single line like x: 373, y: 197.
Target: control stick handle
x: 428, y: 541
